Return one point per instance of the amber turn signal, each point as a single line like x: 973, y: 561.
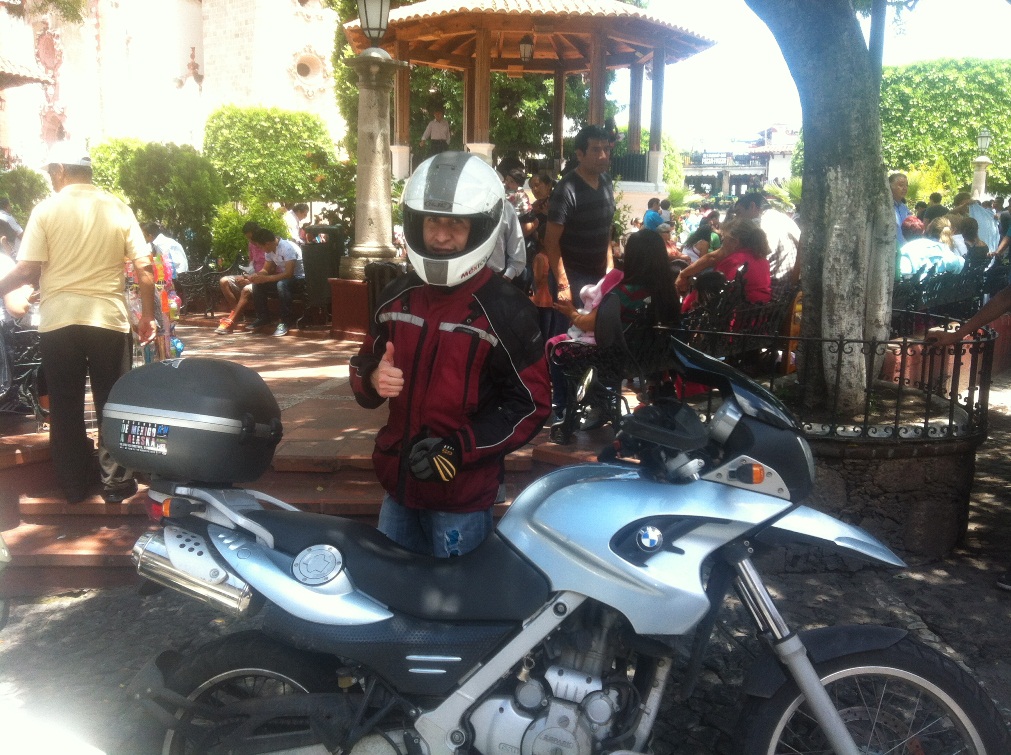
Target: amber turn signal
x: 750, y: 474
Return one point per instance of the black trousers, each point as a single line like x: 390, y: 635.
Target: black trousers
x: 69, y: 355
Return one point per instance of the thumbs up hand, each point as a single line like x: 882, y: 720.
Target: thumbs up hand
x: 387, y: 379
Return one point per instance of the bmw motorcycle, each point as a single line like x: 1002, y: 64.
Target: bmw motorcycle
x: 554, y: 636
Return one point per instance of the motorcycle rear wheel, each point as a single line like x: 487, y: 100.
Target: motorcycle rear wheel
x: 245, y: 666
x: 904, y: 699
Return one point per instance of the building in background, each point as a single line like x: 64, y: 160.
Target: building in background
x: 154, y: 71
x: 745, y: 165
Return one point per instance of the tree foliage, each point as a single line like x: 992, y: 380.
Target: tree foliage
x: 337, y: 192
x: 228, y: 242
x: 177, y: 188
x: 72, y: 11
x: 936, y: 109
x: 268, y: 152
x: 25, y: 188
x: 925, y: 180
x: 797, y: 159
x: 107, y: 161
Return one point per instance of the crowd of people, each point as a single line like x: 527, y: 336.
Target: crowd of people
x: 934, y: 238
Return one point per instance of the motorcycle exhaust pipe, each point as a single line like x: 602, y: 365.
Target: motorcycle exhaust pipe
x: 233, y: 596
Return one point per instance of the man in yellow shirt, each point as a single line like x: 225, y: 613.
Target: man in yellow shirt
x: 74, y: 249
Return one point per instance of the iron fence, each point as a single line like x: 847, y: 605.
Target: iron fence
x: 912, y: 390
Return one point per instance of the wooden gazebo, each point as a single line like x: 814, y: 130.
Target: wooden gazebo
x: 568, y: 37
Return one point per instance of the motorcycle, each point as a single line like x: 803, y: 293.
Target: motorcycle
x: 557, y: 634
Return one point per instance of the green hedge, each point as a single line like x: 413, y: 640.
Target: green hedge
x: 935, y: 110
x: 227, y: 241
x: 267, y: 152
x: 25, y: 188
x: 178, y: 188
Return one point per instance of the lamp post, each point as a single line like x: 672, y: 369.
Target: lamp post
x: 980, y: 164
x: 373, y: 212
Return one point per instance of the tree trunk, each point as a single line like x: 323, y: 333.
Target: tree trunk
x: 847, y: 220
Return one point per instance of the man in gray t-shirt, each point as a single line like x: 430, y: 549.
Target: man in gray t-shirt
x: 580, y: 215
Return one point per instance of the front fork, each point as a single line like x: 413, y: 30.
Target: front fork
x: 790, y: 651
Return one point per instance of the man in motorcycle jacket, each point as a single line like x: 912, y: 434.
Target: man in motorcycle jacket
x: 458, y: 352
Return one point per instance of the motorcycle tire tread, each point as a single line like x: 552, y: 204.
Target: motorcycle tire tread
x: 759, y: 716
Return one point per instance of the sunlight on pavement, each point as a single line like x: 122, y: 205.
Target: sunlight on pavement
x: 333, y: 371
x: 21, y: 732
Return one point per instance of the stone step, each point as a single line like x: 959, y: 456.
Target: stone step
x: 72, y: 540
x: 23, y: 448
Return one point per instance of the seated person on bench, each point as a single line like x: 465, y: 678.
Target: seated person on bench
x: 282, y: 272
x: 744, y: 245
x: 238, y: 289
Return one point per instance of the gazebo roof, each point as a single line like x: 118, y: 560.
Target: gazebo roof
x: 442, y: 34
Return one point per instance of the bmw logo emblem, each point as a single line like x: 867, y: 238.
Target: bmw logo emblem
x: 649, y: 539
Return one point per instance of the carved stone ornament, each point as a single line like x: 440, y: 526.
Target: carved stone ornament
x: 309, y: 72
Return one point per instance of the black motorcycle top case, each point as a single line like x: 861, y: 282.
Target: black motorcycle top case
x: 193, y: 420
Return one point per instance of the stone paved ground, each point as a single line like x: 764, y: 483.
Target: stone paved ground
x: 66, y: 660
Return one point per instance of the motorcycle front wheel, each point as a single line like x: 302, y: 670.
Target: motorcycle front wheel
x: 245, y: 666
x: 904, y: 699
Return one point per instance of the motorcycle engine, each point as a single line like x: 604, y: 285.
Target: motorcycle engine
x: 566, y: 708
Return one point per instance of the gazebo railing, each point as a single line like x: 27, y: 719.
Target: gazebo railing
x: 629, y: 167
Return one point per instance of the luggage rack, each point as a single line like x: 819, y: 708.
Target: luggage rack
x: 225, y: 506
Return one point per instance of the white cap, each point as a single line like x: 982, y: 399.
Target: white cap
x: 68, y: 153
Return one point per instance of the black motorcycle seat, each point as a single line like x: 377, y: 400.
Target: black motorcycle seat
x: 491, y: 583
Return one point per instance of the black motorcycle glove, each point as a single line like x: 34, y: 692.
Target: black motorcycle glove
x: 434, y: 459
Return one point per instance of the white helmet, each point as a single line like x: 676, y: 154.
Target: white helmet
x: 458, y: 185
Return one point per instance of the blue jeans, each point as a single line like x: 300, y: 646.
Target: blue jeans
x: 286, y: 290
x: 434, y: 533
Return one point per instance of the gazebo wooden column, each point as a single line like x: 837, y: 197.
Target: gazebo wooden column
x: 654, y: 167
x: 558, y: 118
x: 481, y: 94
x: 635, y: 108
x: 598, y: 78
x: 468, y: 104
x: 401, y: 147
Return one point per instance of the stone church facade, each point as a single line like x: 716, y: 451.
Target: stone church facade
x: 154, y: 71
